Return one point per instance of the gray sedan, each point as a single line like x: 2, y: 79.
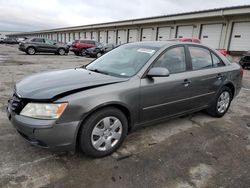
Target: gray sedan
x: 95, y: 106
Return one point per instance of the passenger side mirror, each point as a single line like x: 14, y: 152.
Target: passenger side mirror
x: 158, y: 72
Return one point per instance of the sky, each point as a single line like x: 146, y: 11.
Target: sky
x: 32, y: 15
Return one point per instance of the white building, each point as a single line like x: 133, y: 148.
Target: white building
x: 227, y: 28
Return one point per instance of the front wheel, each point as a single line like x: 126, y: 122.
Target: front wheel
x: 31, y: 51
x: 103, y: 132
x: 222, y: 103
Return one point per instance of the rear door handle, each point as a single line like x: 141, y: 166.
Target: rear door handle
x: 186, y: 82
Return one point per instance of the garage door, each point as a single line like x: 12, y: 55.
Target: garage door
x: 133, y: 35
x: 82, y: 35
x: 121, y: 37
x: 67, y: 37
x: 95, y: 36
x: 164, y: 33
x: 112, y: 37
x: 147, y: 34
x: 240, y: 39
x: 185, y: 31
x: 211, y: 34
x: 88, y: 35
x: 76, y: 35
x: 103, y: 37
x: 54, y: 36
x: 62, y: 37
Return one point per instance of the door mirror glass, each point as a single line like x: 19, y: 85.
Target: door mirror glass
x: 158, y: 72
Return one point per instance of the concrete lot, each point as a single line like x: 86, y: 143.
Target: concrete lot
x: 191, y: 151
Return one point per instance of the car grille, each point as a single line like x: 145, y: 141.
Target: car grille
x: 17, y: 103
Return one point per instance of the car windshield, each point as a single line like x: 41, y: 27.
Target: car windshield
x: 124, y: 61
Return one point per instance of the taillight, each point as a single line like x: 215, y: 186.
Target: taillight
x: 241, y: 71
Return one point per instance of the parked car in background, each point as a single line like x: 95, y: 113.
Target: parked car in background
x: 99, y: 50
x: 79, y: 46
x: 1, y: 40
x: 223, y: 51
x: 246, y: 53
x: 10, y: 41
x: 93, y: 107
x: 21, y: 39
x: 245, y: 61
x: 35, y: 45
x: 188, y: 39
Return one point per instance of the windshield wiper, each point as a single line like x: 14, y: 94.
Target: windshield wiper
x: 98, y: 71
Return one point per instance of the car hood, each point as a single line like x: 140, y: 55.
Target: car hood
x: 55, y: 84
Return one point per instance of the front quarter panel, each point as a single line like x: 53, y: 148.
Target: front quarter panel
x: 84, y: 103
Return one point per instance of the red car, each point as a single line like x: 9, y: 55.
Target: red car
x: 189, y: 39
x: 79, y: 46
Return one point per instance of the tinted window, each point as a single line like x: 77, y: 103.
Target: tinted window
x: 47, y: 41
x: 173, y: 60
x: 201, y: 58
x: 91, y: 42
x: 216, y: 61
x: 37, y: 40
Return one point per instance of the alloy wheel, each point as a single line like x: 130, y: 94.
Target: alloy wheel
x: 223, y: 102
x: 106, y: 133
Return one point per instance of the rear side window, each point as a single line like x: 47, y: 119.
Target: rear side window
x: 173, y: 59
x: 216, y: 61
x: 37, y: 40
x: 201, y: 58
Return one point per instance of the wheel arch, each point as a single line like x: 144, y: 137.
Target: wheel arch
x: 31, y: 46
x: 231, y: 87
x: 127, y: 112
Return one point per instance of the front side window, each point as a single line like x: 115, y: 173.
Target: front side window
x: 124, y: 61
x: 173, y: 59
x: 201, y: 58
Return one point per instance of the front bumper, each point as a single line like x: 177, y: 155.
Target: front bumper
x: 46, y: 133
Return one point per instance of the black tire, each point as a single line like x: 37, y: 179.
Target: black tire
x: 99, y: 54
x: 244, y: 67
x: 31, y: 51
x: 85, y: 136
x: 83, y: 52
x: 61, y: 51
x: 213, y: 109
x: 76, y: 53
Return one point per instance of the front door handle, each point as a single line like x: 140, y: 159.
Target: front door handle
x: 186, y: 82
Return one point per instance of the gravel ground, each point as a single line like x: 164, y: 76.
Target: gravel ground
x: 187, y: 152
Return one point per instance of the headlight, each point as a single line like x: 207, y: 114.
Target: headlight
x: 44, y: 110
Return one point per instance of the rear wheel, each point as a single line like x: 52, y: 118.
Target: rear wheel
x: 61, y: 51
x: 31, y: 51
x: 222, y: 103
x: 103, y: 132
x: 83, y: 52
x: 76, y: 53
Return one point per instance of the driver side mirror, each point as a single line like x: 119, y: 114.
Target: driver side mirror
x: 158, y: 72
